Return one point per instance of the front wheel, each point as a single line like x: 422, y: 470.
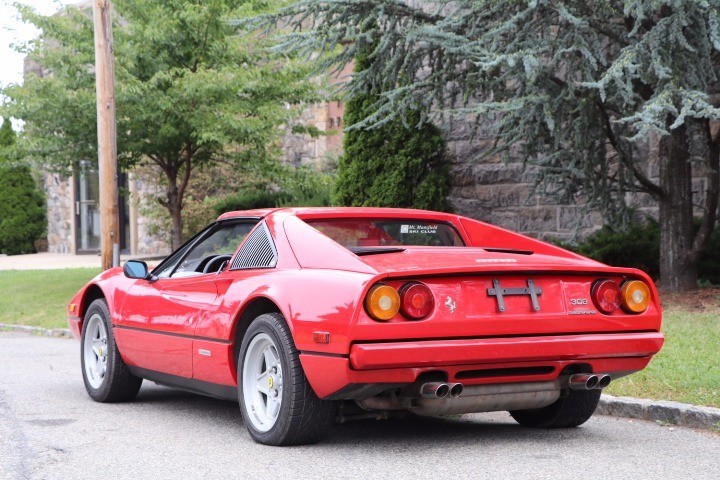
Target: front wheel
x: 277, y: 403
x: 107, y: 378
x: 567, y: 412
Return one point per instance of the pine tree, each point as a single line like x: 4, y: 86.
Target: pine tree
x: 400, y: 164
x: 576, y: 88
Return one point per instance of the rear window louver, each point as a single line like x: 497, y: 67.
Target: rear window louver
x: 258, y: 250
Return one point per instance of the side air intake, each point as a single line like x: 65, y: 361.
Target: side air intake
x: 258, y: 250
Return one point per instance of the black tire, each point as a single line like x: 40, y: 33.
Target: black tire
x: 302, y: 417
x: 117, y: 384
x: 567, y: 412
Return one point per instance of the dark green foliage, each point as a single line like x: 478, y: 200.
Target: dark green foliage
x: 400, y: 164
x: 22, y: 211
x: 317, y: 198
x: 7, y: 134
x: 250, y: 200
x: 709, y: 265
x: 639, y: 247
x: 22, y: 206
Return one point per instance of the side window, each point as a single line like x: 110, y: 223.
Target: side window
x: 168, y: 265
x: 210, y: 253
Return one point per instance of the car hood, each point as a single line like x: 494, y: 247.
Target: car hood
x: 438, y: 260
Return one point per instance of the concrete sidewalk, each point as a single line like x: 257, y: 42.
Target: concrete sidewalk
x: 50, y: 261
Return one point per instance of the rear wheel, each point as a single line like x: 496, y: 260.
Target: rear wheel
x: 107, y: 378
x: 567, y: 412
x: 277, y: 403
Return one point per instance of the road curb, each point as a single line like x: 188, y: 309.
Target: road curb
x: 661, y: 411
x: 46, y: 332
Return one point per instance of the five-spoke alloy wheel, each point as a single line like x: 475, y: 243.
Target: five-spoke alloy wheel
x: 262, y: 382
x: 106, y: 377
x: 277, y: 403
x: 94, y: 347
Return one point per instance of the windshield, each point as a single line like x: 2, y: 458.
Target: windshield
x: 362, y: 232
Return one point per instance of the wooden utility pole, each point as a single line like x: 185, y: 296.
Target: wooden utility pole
x: 107, y: 141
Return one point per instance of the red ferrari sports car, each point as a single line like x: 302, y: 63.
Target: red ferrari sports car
x: 304, y: 314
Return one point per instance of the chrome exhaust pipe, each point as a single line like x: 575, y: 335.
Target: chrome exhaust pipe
x: 455, y: 389
x: 603, y: 381
x: 583, y: 381
x: 434, y: 390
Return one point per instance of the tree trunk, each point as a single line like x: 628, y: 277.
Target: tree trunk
x: 174, y: 206
x: 678, y: 271
x: 177, y: 227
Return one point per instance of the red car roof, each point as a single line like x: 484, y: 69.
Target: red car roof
x: 340, y: 212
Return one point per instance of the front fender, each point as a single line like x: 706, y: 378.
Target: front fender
x: 110, y: 285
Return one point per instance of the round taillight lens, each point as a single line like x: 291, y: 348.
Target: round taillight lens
x: 416, y: 300
x: 606, y: 296
x: 382, y: 302
x: 635, y: 296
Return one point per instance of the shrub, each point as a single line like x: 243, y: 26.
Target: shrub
x: 709, y: 265
x: 299, y: 187
x: 639, y: 247
x: 22, y: 205
x: 250, y: 200
x: 22, y: 211
x: 398, y: 164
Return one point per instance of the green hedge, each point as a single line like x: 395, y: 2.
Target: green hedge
x: 400, y: 163
x: 639, y: 247
x: 22, y: 204
x: 249, y: 200
x: 22, y: 211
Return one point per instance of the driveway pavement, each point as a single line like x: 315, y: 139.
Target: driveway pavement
x: 50, y: 429
x: 49, y: 261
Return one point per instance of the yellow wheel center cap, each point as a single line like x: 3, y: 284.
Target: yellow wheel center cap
x: 100, y: 351
x: 270, y: 382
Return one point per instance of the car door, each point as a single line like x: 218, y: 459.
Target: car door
x: 249, y: 272
x: 156, y: 328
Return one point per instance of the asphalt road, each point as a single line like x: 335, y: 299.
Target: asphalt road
x: 49, y: 428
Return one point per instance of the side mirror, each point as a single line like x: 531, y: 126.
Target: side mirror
x: 135, y: 269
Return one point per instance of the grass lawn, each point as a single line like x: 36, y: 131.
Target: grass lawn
x: 687, y: 369
x: 39, y: 297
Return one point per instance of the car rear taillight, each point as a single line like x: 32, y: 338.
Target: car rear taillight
x: 416, y: 300
x: 382, y: 302
x: 606, y: 296
x: 635, y: 296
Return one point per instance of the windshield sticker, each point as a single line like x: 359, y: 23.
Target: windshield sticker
x: 423, y: 229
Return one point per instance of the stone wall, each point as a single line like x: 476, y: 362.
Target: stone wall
x: 500, y: 192
x: 326, y: 117
x: 60, y: 213
x: 149, y: 236
x: 145, y: 237
x: 302, y: 149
